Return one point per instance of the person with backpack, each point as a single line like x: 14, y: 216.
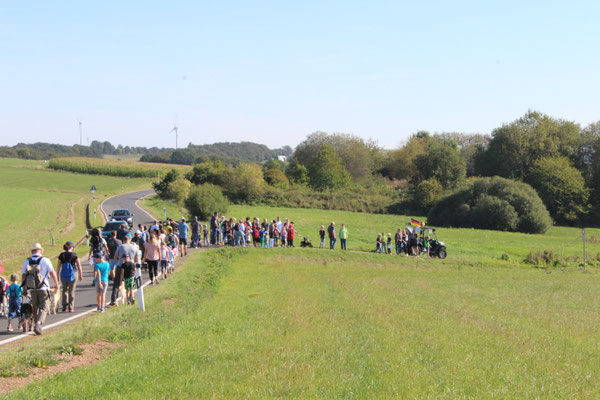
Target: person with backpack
x: 97, y: 245
x: 14, y: 292
x: 35, y: 273
x: 126, y: 248
x: 113, y: 244
x: 67, y: 262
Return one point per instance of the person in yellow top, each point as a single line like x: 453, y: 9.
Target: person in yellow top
x: 343, y: 236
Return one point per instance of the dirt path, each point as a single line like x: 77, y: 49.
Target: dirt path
x: 91, y: 354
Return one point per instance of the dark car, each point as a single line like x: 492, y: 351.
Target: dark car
x: 109, y: 227
x: 122, y: 215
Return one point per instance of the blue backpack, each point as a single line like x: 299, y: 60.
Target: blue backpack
x: 67, y: 272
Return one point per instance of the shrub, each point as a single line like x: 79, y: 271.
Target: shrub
x: 245, y: 184
x: 493, y: 203
x: 205, y: 199
x: 326, y: 171
x: 425, y: 194
x: 173, y: 186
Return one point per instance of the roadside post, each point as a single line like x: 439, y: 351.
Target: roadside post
x: 140, y: 289
x: 165, y: 212
x: 93, y: 190
x: 583, y: 237
x: 87, y: 238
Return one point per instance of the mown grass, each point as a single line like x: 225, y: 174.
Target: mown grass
x: 36, y: 206
x: 113, y: 167
x: 481, y: 247
x: 319, y: 324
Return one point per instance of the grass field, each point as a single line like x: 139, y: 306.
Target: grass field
x: 38, y: 204
x: 470, y: 246
x: 318, y: 324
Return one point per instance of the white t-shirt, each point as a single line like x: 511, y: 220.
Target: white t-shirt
x: 279, y: 225
x: 45, y: 269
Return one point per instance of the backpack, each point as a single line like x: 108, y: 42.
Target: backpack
x: 96, y: 245
x: 67, y: 272
x: 171, y: 240
x: 33, y: 275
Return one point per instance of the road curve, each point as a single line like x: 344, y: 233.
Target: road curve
x: 85, y: 295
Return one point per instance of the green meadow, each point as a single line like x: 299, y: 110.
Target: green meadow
x: 39, y: 204
x: 300, y: 323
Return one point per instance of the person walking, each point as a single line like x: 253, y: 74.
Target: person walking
x: 291, y: 235
x: 113, y: 244
x: 332, y: 236
x: 195, y: 225
x: 152, y: 257
x: 343, y: 236
x: 183, y: 230
x: 97, y: 245
x: 124, y: 249
x: 68, y: 262
x: 14, y: 292
x: 35, y: 273
x: 101, y: 270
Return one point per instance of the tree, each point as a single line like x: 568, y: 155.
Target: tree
x: 327, y: 171
x: 359, y: 157
x: 23, y: 152
x: 442, y: 161
x: 205, y: 199
x: 162, y: 186
x: 245, y: 183
x: 184, y: 157
x: 297, y: 172
x: 515, y: 147
x: 400, y: 164
x: 208, y: 172
x: 426, y: 193
x: 561, y: 187
x: 276, y: 177
x: 492, y: 203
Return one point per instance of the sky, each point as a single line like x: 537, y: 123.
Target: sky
x: 273, y: 72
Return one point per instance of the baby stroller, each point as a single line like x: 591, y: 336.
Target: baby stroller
x: 306, y: 243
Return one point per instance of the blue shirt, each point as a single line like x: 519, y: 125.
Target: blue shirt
x: 103, y: 267
x: 14, y: 291
x: 183, y: 230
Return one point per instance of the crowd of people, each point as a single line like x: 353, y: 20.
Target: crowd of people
x: 155, y: 248
x: 404, y: 242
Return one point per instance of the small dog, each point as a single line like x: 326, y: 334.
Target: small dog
x: 54, y: 300
x: 26, y: 320
x: 122, y: 294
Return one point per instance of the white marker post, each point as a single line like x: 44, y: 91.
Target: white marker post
x: 583, y: 237
x: 140, y: 289
x: 165, y: 212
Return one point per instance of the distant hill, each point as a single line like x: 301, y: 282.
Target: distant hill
x: 231, y: 152
x: 45, y: 151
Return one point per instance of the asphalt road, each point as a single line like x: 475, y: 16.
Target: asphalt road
x: 85, y: 293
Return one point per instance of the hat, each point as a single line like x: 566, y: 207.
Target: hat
x: 97, y: 255
x: 128, y: 235
x: 70, y: 244
x: 138, y: 232
x: 36, y: 246
x: 182, y: 218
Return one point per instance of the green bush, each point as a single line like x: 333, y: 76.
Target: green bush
x: 245, y: 184
x: 493, y: 203
x: 205, y: 199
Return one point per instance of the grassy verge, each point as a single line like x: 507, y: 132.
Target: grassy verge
x: 471, y: 246
x: 318, y: 324
x: 39, y: 204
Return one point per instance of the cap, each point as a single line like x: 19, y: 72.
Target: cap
x: 36, y: 246
x: 98, y: 255
x: 182, y: 218
x: 70, y: 244
x: 128, y: 235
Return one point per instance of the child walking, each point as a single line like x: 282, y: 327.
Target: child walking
x: 14, y: 292
x: 128, y: 278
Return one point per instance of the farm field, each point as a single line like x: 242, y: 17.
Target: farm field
x: 471, y: 246
x: 129, y: 168
x: 38, y: 204
x: 302, y: 323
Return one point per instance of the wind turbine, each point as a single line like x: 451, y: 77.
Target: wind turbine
x: 175, y: 128
x: 80, y: 134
